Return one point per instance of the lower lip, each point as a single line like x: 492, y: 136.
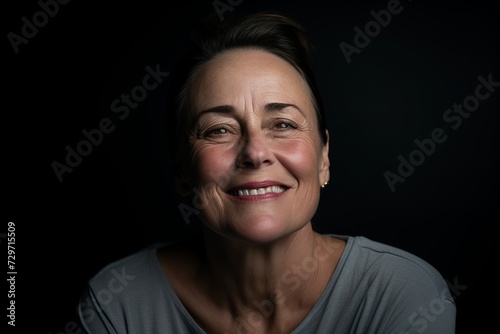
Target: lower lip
x: 256, y: 198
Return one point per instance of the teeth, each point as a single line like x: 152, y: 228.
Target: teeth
x: 260, y: 191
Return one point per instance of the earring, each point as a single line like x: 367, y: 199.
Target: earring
x: 324, y: 184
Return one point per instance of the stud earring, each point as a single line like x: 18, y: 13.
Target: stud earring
x: 324, y: 184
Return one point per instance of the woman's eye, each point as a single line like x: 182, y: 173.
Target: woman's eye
x: 284, y: 126
x: 217, y: 132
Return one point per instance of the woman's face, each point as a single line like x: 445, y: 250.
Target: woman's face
x: 255, y: 162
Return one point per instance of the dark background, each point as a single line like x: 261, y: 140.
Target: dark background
x: 120, y: 197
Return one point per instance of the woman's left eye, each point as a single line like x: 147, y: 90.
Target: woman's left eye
x: 282, y: 125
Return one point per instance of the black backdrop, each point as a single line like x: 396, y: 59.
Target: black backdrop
x: 394, y: 90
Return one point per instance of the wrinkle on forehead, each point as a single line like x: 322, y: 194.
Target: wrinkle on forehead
x: 245, y: 78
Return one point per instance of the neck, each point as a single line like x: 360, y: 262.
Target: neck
x: 286, y: 274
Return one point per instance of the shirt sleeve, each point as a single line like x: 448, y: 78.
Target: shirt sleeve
x: 423, y: 304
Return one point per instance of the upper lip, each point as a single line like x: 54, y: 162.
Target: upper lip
x: 256, y: 185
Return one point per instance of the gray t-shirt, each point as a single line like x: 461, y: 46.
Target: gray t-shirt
x: 375, y: 288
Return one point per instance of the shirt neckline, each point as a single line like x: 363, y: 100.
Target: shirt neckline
x: 313, y: 313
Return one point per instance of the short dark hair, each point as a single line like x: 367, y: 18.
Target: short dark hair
x: 268, y: 31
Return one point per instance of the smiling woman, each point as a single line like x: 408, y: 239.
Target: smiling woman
x: 260, y: 125
x: 249, y: 141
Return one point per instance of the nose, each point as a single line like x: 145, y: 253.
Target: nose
x: 255, y: 152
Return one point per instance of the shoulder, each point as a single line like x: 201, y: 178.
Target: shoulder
x: 128, y: 293
x: 369, y: 255
x: 122, y: 272
x: 395, y: 288
x: 380, y: 259
x: 388, y: 271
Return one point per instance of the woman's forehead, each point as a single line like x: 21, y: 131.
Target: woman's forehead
x: 244, y: 74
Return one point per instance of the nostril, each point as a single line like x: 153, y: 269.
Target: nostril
x: 244, y: 164
x: 250, y: 163
x: 247, y: 164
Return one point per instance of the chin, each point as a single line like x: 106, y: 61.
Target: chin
x: 259, y: 230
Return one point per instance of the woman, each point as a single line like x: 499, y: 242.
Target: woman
x: 250, y: 148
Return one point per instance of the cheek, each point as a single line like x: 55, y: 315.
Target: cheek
x: 211, y: 164
x: 300, y: 157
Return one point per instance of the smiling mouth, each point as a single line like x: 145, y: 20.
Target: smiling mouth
x: 258, y: 191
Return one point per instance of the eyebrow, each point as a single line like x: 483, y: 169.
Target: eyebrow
x: 277, y: 106
x: 269, y: 107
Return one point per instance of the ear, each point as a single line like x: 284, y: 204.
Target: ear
x: 324, y: 168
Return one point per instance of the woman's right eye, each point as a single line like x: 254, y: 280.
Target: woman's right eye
x: 218, y: 131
